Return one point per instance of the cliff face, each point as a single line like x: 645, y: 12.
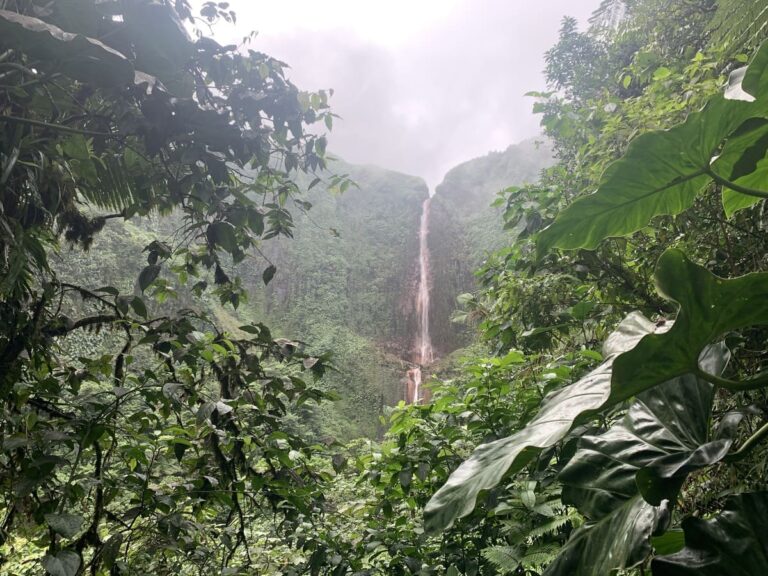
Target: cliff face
x: 464, y: 228
x: 353, y: 259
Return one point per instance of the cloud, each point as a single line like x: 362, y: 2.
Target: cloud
x: 420, y: 89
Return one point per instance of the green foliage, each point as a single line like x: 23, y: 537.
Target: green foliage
x: 644, y: 434
x: 137, y: 435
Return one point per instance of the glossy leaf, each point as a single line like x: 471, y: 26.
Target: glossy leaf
x: 148, y: 275
x: 666, y: 431
x: 622, y: 538
x: 743, y: 161
x: 735, y: 542
x: 709, y: 308
x: 490, y: 462
x: 661, y: 172
x: 665, y: 422
x: 756, y: 77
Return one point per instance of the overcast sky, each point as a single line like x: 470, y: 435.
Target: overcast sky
x: 421, y: 85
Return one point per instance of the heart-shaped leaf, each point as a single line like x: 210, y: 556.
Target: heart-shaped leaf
x: 65, y: 563
x: 709, y: 308
x: 65, y: 524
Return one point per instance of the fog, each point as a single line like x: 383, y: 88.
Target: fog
x: 420, y: 85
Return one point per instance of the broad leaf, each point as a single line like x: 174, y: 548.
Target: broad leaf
x: 756, y: 77
x: 743, y: 161
x: 77, y: 56
x: 268, y: 274
x: 661, y: 173
x: 709, y: 308
x: 619, y: 539
x: 735, y: 542
x: 148, y: 275
x: 222, y: 234
x: 666, y: 432
x: 490, y: 462
x: 67, y: 525
x: 64, y: 563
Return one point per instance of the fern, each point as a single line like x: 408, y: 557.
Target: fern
x: 553, y: 525
x: 539, y: 556
x: 505, y: 559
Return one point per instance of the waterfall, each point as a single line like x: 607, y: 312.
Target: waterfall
x: 423, y: 353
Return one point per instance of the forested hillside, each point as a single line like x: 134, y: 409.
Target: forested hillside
x: 205, y: 321
x: 466, y: 227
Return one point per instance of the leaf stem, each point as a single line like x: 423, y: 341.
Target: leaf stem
x: 736, y: 187
x: 734, y: 385
x: 748, y: 444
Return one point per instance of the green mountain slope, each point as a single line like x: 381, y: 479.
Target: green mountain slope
x: 464, y: 227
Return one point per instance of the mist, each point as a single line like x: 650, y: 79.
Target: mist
x: 419, y: 86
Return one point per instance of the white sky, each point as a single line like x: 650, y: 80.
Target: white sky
x: 421, y: 85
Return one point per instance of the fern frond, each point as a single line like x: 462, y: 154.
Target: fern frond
x: 539, y: 556
x: 549, y: 527
x: 505, y: 559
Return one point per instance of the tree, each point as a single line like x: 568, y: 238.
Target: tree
x: 167, y: 444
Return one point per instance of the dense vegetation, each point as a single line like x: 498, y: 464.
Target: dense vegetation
x: 609, y: 417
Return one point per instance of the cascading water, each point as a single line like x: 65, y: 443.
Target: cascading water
x: 423, y: 354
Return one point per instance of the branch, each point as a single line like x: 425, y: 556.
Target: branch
x: 58, y: 127
x: 83, y: 323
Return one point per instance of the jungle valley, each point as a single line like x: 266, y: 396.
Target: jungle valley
x: 225, y: 349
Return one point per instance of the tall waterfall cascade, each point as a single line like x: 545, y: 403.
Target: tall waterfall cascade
x: 423, y: 354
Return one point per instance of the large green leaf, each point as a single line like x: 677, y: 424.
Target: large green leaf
x: 490, y: 462
x: 709, y: 308
x: 733, y: 543
x: 77, y: 56
x: 65, y: 563
x: 664, y: 435
x: 65, y: 524
x: 666, y: 424
x: 661, y: 173
x: 622, y: 538
x: 163, y: 47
